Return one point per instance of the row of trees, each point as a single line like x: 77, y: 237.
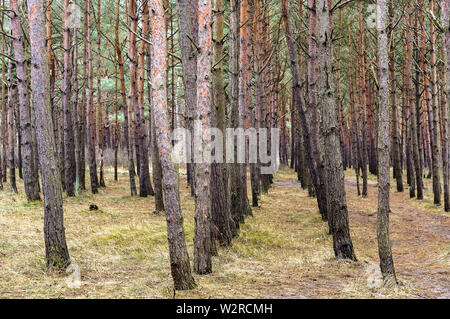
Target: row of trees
x: 329, y: 74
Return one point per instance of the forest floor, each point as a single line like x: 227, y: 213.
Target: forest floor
x: 283, y: 251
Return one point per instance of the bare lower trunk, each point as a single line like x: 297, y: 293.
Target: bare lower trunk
x: 12, y: 97
x: 69, y: 146
x: 202, y: 237
x: 336, y: 199
x: 31, y: 176
x: 55, y: 242
x: 90, y: 105
x: 179, y: 258
x: 384, y: 243
x: 445, y: 11
x: 396, y: 145
x: 220, y: 211
x: 187, y: 17
x: 435, y: 108
x: 126, y: 122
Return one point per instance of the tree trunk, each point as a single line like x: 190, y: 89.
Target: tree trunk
x: 179, y: 258
x: 145, y: 185
x: 4, y: 107
x: 126, y: 122
x: 77, y: 113
x: 445, y: 12
x: 187, y: 16
x: 435, y: 109
x: 100, y: 139
x: 202, y: 237
x: 69, y: 146
x: 220, y: 211
x: 397, y: 152
x: 363, y: 93
x: 12, y: 97
x: 313, y: 113
x: 156, y: 161
x: 31, y: 174
x: 54, y: 234
x: 336, y: 199
x: 384, y: 243
x: 90, y: 105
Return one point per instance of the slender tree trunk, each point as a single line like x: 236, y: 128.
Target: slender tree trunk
x: 76, y: 112
x: 237, y: 193
x: 126, y: 122
x: 435, y: 109
x: 90, y: 105
x: 100, y: 139
x: 313, y: 113
x: 116, y: 124
x: 414, y: 116
x: 19, y: 135
x: 397, y: 152
x: 202, y: 237
x: 363, y: 93
x: 4, y: 106
x: 445, y: 13
x: 179, y: 258
x: 245, y: 57
x: 145, y: 186
x: 336, y: 198
x: 187, y: 39
x: 69, y: 146
x: 384, y: 243
x: 220, y: 210
x: 298, y: 99
x: 55, y: 242
x: 82, y: 116
x: 12, y: 97
x: 31, y: 176
x: 156, y: 161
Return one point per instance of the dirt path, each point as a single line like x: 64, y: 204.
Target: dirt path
x: 420, y: 236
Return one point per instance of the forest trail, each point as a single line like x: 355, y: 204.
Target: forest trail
x: 283, y: 251
x: 420, y: 235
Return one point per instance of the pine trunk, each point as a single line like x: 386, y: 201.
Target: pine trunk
x: 54, y: 234
x: 31, y: 174
x: 179, y: 258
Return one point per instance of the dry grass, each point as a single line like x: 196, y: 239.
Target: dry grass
x: 284, y: 251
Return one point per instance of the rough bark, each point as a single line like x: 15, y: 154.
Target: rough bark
x: 237, y: 205
x: 54, y: 234
x: 435, y: 109
x: 445, y: 13
x: 90, y: 106
x: 126, y: 123
x: 69, y: 144
x: 220, y: 211
x: 156, y: 162
x: 336, y: 199
x: 145, y: 185
x: 384, y: 243
x: 77, y: 113
x: 202, y: 170
x: 313, y: 114
x: 31, y: 175
x: 12, y: 96
x: 397, y: 152
x: 187, y: 16
x: 100, y: 139
x: 4, y: 108
x: 179, y: 258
